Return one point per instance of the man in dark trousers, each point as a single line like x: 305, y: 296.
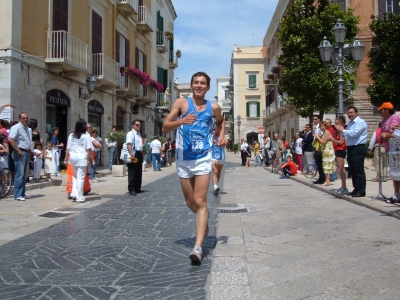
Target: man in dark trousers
x: 243, y: 153
x: 135, y: 148
x: 317, y: 152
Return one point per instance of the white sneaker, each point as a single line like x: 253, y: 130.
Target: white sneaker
x: 80, y: 201
x: 195, y: 255
x: 20, y: 198
x: 216, y: 189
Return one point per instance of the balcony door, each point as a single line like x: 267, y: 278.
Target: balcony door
x: 60, y: 23
x: 97, y: 43
x: 122, y: 56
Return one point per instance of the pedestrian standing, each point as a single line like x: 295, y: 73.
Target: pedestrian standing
x: 286, y: 147
x: 218, y: 160
x: 20, y: 139
x: 267, y: 146
x: 96, y: 143
x: 155, y: 149
x: 193, y: 119
x: 79, y: 151
x: 38, y: 161
x: 307, y: 149
x: 243, y: 152
x: 56, y: 148
x: 257, y: 156
x: 317, y: 151
x: 299, y: 151
x: 135, y: 167
x: 376, y: 146
x: 49, y: 166
x: 389, y: 121
x: 112, y: 149
x: 339, y: 145
x: 356, y: 137
x: 327, y: 151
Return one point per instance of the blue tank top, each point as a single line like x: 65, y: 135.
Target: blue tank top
x: 217, y: 152
x: 193, y: 141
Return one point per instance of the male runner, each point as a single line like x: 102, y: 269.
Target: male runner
x: 193, y: 119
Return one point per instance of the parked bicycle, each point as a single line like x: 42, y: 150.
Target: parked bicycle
x: 310, y: 171
x: 5, y: 182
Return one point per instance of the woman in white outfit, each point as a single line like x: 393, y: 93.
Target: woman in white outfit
x: 79, y: 151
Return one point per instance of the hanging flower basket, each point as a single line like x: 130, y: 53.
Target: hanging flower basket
x: 143, y: 77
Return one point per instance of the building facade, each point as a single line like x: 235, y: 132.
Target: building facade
x: 49, y: 48
x: 247, y: 91
x: 281, y: 118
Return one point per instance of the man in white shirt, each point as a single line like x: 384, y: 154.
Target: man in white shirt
x: 267, y: 145
x: 155, y: 149
x: 243, y: 149
x: 135, y: 148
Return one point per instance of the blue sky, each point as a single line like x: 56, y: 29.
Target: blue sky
x: 205, y: 31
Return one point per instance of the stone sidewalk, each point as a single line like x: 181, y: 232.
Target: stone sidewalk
x: 297, y: 242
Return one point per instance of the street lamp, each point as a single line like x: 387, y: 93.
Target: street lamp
x: 334, y: 57
x: 239, y: 122
x: 90, y: 85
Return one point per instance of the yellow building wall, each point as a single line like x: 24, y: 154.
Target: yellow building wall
x: 34, y: 27
x: 80, y: 20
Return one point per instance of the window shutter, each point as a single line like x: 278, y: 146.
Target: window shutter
x: 137, y: 58
x: 117, y: 50
x: 160, y: 74
x: 127, y: 52
x: 60, y: 15
x: 165, y: 81
x: 247, y: 109
x: 96, y: 33
x: 144, y: 63
x: 258, y: 109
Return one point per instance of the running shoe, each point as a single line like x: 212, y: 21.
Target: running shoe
x: 195, y: 256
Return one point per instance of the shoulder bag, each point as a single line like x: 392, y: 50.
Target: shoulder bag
x: 125, y: 155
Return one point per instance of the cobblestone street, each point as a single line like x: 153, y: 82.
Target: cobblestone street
x: 294, y: 242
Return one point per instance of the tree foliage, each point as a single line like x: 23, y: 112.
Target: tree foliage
x: 385, y: 60
x: 310, y: 87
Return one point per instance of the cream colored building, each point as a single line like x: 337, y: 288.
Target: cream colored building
x: 280, y: 117
x: 49, y: 48
x: 247, y: 91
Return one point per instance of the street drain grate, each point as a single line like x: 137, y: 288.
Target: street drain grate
x: 53, y: 214
x: 232, y: 210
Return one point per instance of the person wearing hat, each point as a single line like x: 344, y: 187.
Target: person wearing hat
x: 390, y: 120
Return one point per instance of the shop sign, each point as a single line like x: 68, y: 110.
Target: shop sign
x: 58, y: 98
x: 95, y: 106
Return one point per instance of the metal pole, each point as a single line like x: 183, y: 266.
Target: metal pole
x: 379, y: 175
x: 340, y: 80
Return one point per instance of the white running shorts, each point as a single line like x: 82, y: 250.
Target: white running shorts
x: 191, y: 168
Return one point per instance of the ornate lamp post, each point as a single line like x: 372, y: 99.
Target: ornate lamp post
x: 239, y: 122
x: 91, y: 85
x: 334, y: 57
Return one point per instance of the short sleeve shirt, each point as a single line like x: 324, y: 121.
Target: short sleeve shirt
x: 386, y: 126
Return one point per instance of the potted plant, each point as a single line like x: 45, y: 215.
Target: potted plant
x: 235, y: 148
x: 166, y: 103
x: 169, y: 35
x: 119, y: 137
x: 178, y: 53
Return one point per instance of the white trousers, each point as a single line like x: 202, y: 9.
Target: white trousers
x: 37, y: 167
x: 78, y: 180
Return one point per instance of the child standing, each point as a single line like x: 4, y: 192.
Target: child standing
x: 49, y: 166
x: 38, y: 162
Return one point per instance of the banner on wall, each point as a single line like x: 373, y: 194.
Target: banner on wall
x: 6, y: 112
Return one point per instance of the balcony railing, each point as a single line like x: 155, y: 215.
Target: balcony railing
x: 173, y: 60
x: 145, y: 19
x: 63, y: 47
x: 163, y: 100
x: 128, y: 6
x: 105, y: 68
x: 162, y: 42
x: 129, y: 86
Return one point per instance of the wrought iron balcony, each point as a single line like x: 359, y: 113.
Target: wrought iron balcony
x: 106, y: 70
x: 147, y: 95
x: 129, y: 87
x: 173, y: 60
x: 163, y: 101
x: 68, y: 51
x: 145, y: 19
x: 162, y: 42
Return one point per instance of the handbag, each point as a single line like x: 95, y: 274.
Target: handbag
x: 316, y: 145
x: 125, y: 155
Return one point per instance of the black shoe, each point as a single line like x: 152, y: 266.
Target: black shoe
x: 358, y: 195
x: 391, y: 200
x: 139, y: 191
x: 69, y: 196
x: 132, y: 193
x: 353, y: 193
x: 317, y: 182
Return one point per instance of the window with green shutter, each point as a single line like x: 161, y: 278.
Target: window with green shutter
x: 253, y: 109
x: 252, y: 81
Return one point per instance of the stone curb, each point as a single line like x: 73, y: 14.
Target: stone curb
x: 359, y: 201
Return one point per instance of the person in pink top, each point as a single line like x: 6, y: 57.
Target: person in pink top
x: 3, y: 130
x: 390, y: 120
